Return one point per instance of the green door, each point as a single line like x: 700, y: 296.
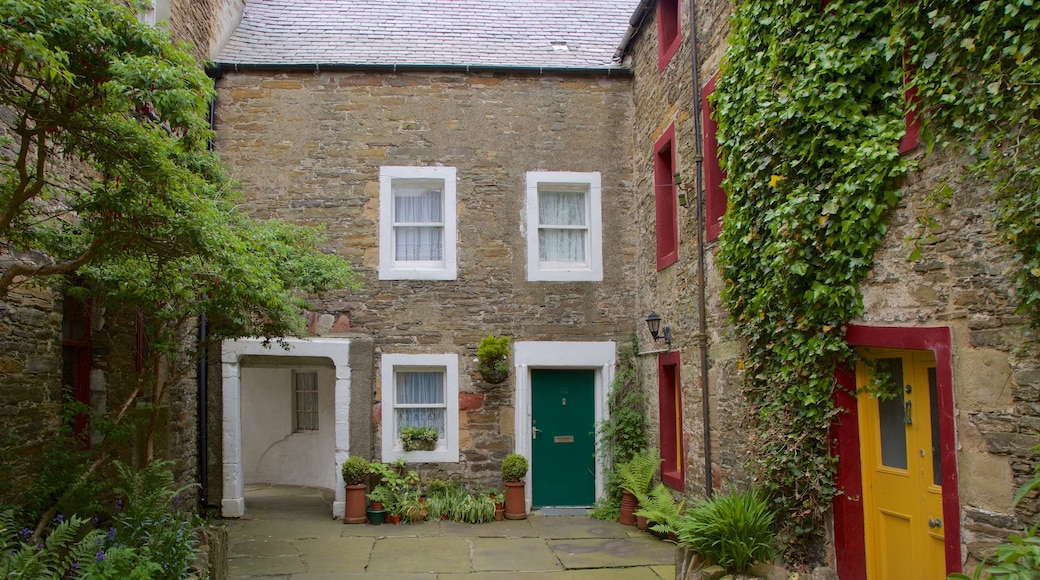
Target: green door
x: 563, y: 462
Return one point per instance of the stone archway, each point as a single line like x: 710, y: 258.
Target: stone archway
x: 337, y: 350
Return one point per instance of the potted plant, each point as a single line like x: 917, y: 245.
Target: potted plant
x: 493, y: 358
x: 661, y: 511
x: 514, y: 468
x: 355, y: 473
x: 498, y: 498
x: 419, y: 438
x: 635, y: 476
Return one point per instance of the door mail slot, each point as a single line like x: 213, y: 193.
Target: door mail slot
x: 563, y: 439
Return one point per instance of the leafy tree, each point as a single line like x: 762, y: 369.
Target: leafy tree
x: 106, y: 174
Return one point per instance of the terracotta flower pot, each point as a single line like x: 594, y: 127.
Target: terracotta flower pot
x: 642, y: 524
x: 354, y: 504
x: 628, y: 506
x: 516, y: 503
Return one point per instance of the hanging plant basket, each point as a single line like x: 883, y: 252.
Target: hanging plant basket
x: 494, y: 376
x: 493, y: 359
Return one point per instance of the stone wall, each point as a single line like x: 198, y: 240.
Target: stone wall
x: 307, y: 148
x: 206, y: 24
x: 961, y: 281
x: 30, y: 384
x: 663, y: 98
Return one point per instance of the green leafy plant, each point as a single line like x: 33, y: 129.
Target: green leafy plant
x: 636, y: 474
x: 810, y: 109
x: 732, y: 530
x: 394, y: 481
x: 514, y: 467
x: 70, y: 550
x: 355, y: 470
x: 623, y: 433
x: 416, y: 438
x: 493, y: 358
x: 661, y: 509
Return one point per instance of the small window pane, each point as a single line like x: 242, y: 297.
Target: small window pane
x: 561, y: 208
x: 420, y: 388
x: 305, y: 400
x: 891, y: 414
x: 936, y: 441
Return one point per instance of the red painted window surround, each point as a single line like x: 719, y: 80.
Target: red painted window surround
x: 669, y: 31
x: 76, y: 357
x: 912, y: 136
x: 849, y: 539
x: 670, y: 405
x: 665, y: 200
x: 714, y: 195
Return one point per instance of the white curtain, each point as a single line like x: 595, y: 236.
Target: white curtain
x: 562, y: 230
x: 418, y: 224
x: 420, y: 399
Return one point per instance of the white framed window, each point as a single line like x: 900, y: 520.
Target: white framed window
x: 417, y: 229
x: 305, y: 401
x: 156, y: 13
x: 420, y: 390
x: 564, y: 226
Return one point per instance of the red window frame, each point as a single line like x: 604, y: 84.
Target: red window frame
x: 669, y: 31
x: 665, y: 200
x: 76, y: 355
x: 669, y: 396
x: 912, y: 136
x: 714, y: 196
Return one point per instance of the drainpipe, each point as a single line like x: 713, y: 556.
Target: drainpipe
x: 702, y: 324
x: 202, y: 373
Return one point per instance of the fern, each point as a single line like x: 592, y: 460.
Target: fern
x: 636, y: 474
x: 661, y: 509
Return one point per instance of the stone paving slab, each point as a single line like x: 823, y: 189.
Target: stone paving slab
x: 513, y: 554
x: 612, y: 553
x: 429, y: 555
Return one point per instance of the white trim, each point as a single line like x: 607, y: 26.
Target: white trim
x: 232, y: 503
x: 389, y: 267
x: 592, y: 271
x: 599, y: 356
x: 448, y: 448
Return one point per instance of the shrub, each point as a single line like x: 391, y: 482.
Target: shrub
x: 661, y: 510
x: 354, y: 470
x: 514, y: 467
x: 732, y: 530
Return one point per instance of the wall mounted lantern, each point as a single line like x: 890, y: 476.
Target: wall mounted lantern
x: 653, y: 323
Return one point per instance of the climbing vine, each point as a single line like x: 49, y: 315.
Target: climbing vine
x: 810, y: 106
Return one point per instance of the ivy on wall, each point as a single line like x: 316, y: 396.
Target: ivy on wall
x: 810, y: 106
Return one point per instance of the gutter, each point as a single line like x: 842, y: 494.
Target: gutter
x: 402, y: 67
x: 634, y: 24
x: 702, y: 324
x: 202, y: 372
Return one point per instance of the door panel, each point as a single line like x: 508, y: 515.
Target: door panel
x: 902, y: 495
x: 563, y: 468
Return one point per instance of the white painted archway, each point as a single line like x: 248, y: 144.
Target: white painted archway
x: 232, y: 504
x: 599, y: 356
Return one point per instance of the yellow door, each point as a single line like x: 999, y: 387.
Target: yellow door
x: 902, y: 471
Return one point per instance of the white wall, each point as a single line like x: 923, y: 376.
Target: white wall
x: 271, y: 452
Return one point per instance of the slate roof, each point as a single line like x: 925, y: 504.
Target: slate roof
x: 549, y: 34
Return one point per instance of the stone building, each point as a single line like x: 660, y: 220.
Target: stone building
x: 947, y: 320
x: 473, y: 162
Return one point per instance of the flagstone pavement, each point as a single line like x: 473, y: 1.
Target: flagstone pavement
x: 288, y: 533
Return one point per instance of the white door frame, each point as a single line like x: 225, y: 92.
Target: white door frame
x: 598, y: 356
x: 233, y: 503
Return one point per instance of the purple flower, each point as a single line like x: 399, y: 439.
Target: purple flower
x: 75, y: 566
x: 100, y: 556
x: 111, y: 534
x: 25, y: 534
x: 58, y: 519
x: 119, y: 503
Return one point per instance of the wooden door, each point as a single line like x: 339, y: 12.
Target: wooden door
x: 902, y: 467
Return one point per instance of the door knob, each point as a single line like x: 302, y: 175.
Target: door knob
x: 534, y: 432
x: 934, y: 524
